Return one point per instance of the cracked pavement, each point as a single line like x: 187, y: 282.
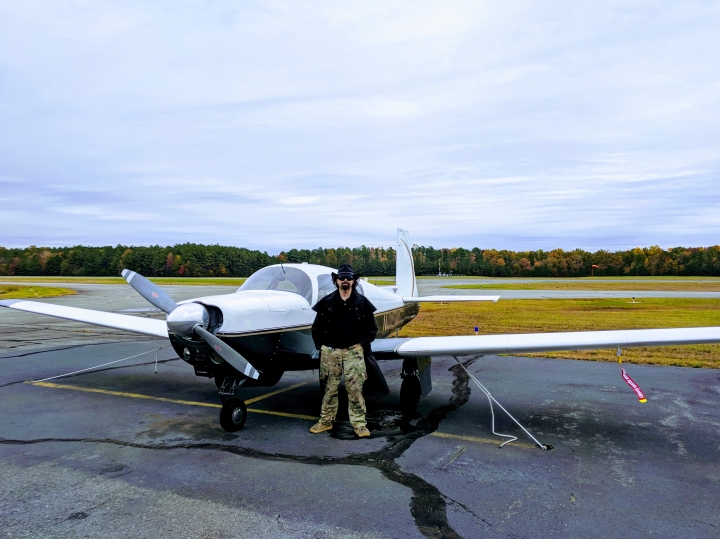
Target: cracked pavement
x: 76, y: 463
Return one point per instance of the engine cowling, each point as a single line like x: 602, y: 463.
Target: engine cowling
x: 183, y: 320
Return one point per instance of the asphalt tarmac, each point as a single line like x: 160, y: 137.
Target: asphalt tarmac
x: 124, y: 452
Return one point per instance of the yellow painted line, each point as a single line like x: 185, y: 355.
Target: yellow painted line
x: 178, y: 401
x: 481, y: 440
x: 283, y: 414
x: 256, y: 411
x: 124, y: 394
x: 266, y: 395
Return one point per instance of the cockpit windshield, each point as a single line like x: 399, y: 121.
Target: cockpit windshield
x: 278, y: 278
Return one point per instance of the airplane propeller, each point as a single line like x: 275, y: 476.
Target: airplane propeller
x: 150, y: 291
x: 189, y: 319
x: 227, y: 353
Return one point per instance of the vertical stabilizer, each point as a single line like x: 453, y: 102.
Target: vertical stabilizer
x: 405, y: 271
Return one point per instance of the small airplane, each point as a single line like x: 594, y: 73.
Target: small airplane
x: 252, y: 336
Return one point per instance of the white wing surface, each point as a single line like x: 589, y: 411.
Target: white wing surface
x: 134, y: 324
x: 554, y: 342
x: 447, y: 299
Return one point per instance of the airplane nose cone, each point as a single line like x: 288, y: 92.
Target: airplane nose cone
x: 182, y: 321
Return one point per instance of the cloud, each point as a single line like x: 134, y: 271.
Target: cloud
x: 275, y: 125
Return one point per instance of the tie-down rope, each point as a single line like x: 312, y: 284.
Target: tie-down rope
x: 492, y: 399
x: 156, y: 350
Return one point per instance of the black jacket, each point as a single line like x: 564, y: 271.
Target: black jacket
x: 358, y: 325
x: 323, y: 331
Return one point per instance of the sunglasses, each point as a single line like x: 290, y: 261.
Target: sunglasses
x: 344, y: 278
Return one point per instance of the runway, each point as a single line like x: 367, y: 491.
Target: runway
x: 124, y: 452
x: 430, y: 287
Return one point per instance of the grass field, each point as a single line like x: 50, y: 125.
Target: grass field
x: 630, y: 285
x: 194, y: 281
x: 23, y: 292
x: 517, y: 316
x: 551, y: 315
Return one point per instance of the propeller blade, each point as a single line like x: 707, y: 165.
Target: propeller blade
x: 150, y: 291
x: 227, y: 353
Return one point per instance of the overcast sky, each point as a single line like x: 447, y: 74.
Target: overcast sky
x: 273, y: 125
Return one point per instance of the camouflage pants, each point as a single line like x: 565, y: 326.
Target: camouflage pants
x: 332, y: 364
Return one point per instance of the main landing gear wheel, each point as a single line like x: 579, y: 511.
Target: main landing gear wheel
x: 233, y: 415
x: 410, y: 393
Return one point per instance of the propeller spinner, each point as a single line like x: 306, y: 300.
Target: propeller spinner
x: 188, y: 320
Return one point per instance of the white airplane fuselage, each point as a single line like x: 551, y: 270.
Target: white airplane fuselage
x: 271, y: 327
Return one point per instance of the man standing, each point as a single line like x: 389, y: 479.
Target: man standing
x: 343, y: 327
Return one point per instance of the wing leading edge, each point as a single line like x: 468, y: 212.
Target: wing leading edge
x: 134, y: 324
x: 550, y: 342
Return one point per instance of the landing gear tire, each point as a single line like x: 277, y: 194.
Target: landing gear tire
x: 233, y: 415
x: 410, y: 393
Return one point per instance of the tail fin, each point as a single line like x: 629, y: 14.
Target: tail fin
x: 405, y: 269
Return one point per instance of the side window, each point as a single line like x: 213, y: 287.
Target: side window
x: 325, y: 285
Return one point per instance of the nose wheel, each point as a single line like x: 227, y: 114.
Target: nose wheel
x: 233, y: 414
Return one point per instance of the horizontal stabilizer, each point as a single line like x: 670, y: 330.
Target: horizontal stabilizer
x: 134, y: 324
x: 553, y: 342
x: 448, y: 299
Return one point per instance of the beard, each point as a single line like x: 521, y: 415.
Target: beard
x: 345, y: 285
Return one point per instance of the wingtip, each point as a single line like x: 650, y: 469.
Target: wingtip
x: 9, y: 302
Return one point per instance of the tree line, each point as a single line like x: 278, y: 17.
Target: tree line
x: 194, y: 260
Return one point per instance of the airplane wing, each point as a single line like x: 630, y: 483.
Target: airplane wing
x: 145, y: 326
x: 448, y: 299
x: 542, y: 342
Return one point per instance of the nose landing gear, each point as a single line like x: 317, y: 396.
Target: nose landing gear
x: 233, y: 414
